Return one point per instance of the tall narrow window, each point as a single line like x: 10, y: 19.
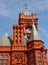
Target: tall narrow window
x: 3, y: 60
x: 45, y: 59
x: 39, y: 58
x: 32, y: 59
x: 38, y: 54
x: 39, y: 63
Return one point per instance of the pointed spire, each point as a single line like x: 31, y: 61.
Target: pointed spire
x: 5, y: 40
x: 6, y: 31
x: 26, y: 10
x: 6, y: 34
x: 34, y: 33
x: 26, y: 6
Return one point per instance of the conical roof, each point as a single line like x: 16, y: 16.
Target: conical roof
x: 26, y: 12
x: 5, y: 41
x: 25, y: 40
x: 34, y: 34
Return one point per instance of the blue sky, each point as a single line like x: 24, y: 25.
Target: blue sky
x: 10, y: 9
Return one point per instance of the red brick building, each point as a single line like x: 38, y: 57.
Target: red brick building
x: 25, y: 47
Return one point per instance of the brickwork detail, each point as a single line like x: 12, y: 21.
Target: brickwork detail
x: 22, y: 52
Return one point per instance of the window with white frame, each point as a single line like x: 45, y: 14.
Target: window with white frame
x: 3, y: 60
x: 39, y: 58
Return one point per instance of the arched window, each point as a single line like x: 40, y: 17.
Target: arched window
x: 28, y: 30
x: 45, y: 59
x: 32, y: 59
x: 38, y: 54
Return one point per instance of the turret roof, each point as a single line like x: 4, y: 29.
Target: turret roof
x: 34, y: 34
x: 6, y: 40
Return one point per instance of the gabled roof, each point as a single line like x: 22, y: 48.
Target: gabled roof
x: 34, y: 34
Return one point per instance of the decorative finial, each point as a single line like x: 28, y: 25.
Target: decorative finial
x: 26, y: 10
x: 25, y: 6
x: 6, y: 30
x: 33, y: 21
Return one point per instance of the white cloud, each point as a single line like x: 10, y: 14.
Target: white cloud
x: 11, y: 8
x: 43, y: 31
x: 38, y: 5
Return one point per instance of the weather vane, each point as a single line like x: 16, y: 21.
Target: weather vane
x: 25, y: 5
x: 6, y: 30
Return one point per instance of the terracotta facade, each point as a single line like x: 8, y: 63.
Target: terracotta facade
x: 21, y: 53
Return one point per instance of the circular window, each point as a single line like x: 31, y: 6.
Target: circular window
x: 28, y: 30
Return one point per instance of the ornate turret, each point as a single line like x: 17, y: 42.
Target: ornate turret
x: 6, y: 40
x: 37, y: 48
